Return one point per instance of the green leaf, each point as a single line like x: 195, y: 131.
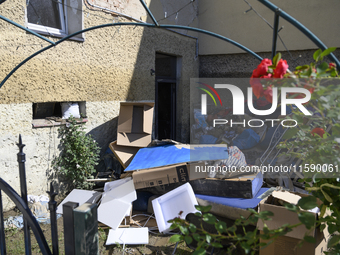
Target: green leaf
x: 290, y: 133
x: 196, y: 237
x: 232, y: 228
x: 323, y: 210
x: 208, y: 238
x: 188, y: 239
x: 184, y: 230
x: 317, y: 54
x: 192, y: 228
x: 246, y: 247
x: 334, y: 240
x: 203, y: 209
x: 276, y: 59
x: 327, y: 197
x: 291, y: 207
x: 332, y: 228
x: 217, y: 245
x: 221, y: 226
x: 322, y: 67
x: 307, y: 218
x: 209, y: 218
x: 309, y: 239
x: 199, y: 251
x: 302, y: 67
x: 327, y: 51
x: 175, y: 238
x: 307, y: 203
x: 265, y: 214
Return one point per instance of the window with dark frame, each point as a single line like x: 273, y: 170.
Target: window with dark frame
x: 50, y: 114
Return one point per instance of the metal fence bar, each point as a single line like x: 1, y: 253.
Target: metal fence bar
x: 275, y: 31
x: 2, y: 229
x: 68, y: 217
x: 86, y: 229
x: 23, y: 188
x: 27, y: 214
x: 52, y: 205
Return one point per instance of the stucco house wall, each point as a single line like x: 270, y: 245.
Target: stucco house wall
x: 111, y: 65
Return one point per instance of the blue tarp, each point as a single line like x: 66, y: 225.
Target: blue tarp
x: 174, y: 154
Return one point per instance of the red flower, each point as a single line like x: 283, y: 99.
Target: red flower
x: 280, y: 69
x: 262, y: 68
x: 268, y: 94
x: 318, y: 131
x: 311, y: 89
x: 257, y: 87
x: 331, y: 65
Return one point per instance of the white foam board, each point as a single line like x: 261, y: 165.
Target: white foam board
x: 110, y: 185
x: 113, y: 212
x: 116, y: 202
x: 169, y: 205
x: 128, y: 236
x: 81, y: 197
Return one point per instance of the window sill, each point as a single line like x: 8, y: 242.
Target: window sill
x: 40, y: 123
x: 78, y: 39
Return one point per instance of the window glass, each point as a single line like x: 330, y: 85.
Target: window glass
x: 44, y: 12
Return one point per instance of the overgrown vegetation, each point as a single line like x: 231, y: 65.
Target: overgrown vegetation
x: 79, y: 155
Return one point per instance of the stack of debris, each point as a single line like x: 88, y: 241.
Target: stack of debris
x: 165, y: 178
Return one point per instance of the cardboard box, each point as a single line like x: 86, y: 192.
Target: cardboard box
x: 124, y: 154
x: 135, y: 124
x: 158, y: 176
x: 284, y: 245
x: 246, y: 186
x: 287, y: 244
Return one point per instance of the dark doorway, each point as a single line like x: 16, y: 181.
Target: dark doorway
x: 166, y: 89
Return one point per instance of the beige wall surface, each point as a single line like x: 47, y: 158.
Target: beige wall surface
x: 228, y: 18
x: 112, y: 65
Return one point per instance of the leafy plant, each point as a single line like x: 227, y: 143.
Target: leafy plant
x: 233, y: 237
x: 317, y: 140
x: 79, y: 155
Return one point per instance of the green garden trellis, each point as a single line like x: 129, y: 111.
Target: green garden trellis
x: 278, y: 13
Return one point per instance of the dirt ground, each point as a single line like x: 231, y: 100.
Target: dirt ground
x: 158, y: 243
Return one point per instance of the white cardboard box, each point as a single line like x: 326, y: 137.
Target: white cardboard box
x: 169, y: 205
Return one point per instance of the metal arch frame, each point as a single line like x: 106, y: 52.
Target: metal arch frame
x: 129, y: 24
x: 155, y: 25
x: 280, y: 13
x: 28, y: 216
x: 268, y: 4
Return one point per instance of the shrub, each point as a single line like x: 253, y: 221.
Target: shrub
x: 79, y: 155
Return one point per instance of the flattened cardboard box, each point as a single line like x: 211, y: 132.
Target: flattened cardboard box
x: 157, y: 176
x: 288, y: 242
x: 124, y: 154
x: 135, y: 124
